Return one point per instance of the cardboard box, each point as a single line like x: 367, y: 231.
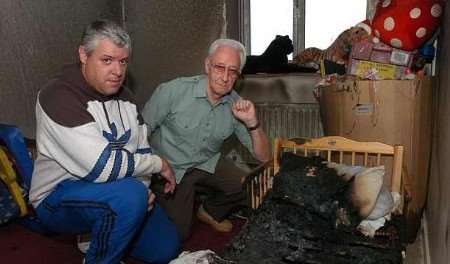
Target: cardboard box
x: 376, y: 52
x: 380, y: 56
x: 389, y: 111
x: 361, y: 50
x: 401, y: 57
x: 375, y: 71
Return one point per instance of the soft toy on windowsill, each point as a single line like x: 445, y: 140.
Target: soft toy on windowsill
x: 274, y: 59
x: 337, y: 52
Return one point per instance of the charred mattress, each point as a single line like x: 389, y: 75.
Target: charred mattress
x: 307, y: 218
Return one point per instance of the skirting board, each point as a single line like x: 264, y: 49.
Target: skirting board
x: 426, y: 245
x: 419, y: 251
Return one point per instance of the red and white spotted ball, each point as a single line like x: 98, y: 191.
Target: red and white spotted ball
x: 407, y: 24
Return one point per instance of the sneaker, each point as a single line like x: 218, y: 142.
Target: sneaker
x: 83, y: 242
x: 223, y: 226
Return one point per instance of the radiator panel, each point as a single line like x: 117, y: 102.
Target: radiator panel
x: 287, y: 120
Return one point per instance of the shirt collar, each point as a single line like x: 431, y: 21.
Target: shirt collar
x: 200, y: 87
x: 233, y: 96
x: 200, y: 91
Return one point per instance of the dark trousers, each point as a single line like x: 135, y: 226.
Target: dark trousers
x: 223, y: 191
x: 115, y: 213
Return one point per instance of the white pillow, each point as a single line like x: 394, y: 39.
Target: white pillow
x: 363, y: 192
x: 345, y: 171
x: 383, y: 205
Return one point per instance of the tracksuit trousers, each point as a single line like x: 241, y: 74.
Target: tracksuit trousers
x: 116, y: 216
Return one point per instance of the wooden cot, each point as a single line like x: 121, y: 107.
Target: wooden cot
x: 336, y: 149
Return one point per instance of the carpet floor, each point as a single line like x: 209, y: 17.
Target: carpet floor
x: 19, y: 245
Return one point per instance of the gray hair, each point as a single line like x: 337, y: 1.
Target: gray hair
x: 230, y: 43
x: 101, y: 29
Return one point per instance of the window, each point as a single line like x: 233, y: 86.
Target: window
x: 267, y: 19
x: 323, y: 25
x: 309, y: 23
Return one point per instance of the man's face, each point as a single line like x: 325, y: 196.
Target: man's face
x: 222, y: 68
x: 105, y: 68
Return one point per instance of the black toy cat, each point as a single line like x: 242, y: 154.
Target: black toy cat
x: 274, y: 59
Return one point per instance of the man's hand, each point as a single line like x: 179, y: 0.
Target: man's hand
x: 151, y: 200
x: 244, y: 110
x: 167, y: 173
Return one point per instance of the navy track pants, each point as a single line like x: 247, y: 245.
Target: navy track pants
x: 116, y: 216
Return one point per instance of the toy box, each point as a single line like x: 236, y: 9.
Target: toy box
x: 379, y: 52
x: 376, y: 70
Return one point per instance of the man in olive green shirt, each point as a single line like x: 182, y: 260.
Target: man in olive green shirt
x: 189, y: 119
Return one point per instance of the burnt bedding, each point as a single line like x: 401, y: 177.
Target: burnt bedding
x: 307, y: 218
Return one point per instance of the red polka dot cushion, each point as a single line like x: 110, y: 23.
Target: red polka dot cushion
x: 407, y: 24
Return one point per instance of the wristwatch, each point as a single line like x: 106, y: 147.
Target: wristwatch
x: 253, y: 127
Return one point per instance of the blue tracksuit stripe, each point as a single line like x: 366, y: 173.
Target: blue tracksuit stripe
x: 107, y: 224
x: 130, y: 168
x: 116, y: 146
x: 116, y: 166
x: 99, y: 165
x: 148, y: 150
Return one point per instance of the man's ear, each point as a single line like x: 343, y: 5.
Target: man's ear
x: 82, y: 54
x: 206, y: 65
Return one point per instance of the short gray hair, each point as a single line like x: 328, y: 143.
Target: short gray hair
x: 104, y: 29
x: 230, y: 43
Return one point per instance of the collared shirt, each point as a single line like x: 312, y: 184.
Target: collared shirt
x: 186, y: 129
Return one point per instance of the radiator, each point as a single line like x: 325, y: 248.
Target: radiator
x: 288, y: 120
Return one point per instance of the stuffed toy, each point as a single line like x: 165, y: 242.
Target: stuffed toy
x: 337, y: 52
x: 367, y: 26
x: 273, y: 60
x: 406, y: 24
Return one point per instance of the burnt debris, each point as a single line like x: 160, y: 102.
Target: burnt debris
x: 307, y: 218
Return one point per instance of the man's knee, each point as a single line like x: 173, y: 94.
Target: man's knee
x: 131, y: 198
x: 158, y: 241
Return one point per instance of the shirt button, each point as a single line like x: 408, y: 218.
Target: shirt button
x: 185, y: 126
x: 204, y: 139
x: 207, y: 124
